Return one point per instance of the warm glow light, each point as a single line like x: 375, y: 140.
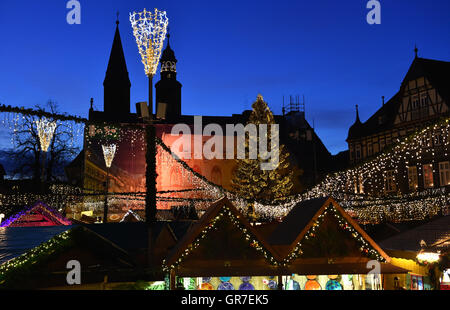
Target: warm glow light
x: 429, y: 257
x: 149, y: 29
x: 108, y: 153
x: 46, y: 129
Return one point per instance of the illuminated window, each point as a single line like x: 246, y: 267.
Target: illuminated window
x: 174, y: 177
x: 412, y: 178
x: 416, y: 283
x: 428, y: 176
x: 390, y: 181
x: 444, y: 173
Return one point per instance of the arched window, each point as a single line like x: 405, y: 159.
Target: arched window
x: 174, y: 177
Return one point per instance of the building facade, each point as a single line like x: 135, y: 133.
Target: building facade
x: 420, y: 104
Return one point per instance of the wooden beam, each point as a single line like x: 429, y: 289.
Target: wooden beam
x: 172, y: 279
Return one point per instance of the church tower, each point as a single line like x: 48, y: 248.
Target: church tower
x: 116, y: 85
x: 168, y: 89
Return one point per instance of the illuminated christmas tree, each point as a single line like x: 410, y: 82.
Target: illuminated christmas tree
x: 250, y: 181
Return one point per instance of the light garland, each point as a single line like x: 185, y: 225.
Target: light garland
x: 365, y: 247
x: 253, y: 242
x: 33, y: 255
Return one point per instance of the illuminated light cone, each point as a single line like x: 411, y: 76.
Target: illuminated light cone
x: 46, y: 130
x: 109, y: 151
x: 149, y: 29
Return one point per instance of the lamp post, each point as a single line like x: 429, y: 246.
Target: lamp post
x: 109, y: 151
x: 150, y: 29
x: 46, y: 130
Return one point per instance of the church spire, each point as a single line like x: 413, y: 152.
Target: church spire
x: 117, y: 82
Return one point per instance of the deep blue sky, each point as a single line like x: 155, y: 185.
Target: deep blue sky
x: 228, y: 52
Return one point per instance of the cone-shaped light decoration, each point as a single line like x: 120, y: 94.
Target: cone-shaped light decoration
x: 149, y: 29
x: 109, y: 151
x: 46, y: 129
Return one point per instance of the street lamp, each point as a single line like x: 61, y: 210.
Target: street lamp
x: 45, y: 129
x: 109, y: 151
x: 426, y: 254
x: 150, y: 29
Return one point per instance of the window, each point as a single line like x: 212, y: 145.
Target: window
x: 437, y: 138
x: 388, y: 140
x: 390, y: 181
x: 358, y: 185
x: 426, y: 141
x: 375, y: 148
x: 416, y: 283
x: 444, y: 173
x: 412, y: 178
x: 358, y: 151
x: 382, y: 144
x: 369, y: 149
x: 428, y: 176
x: 415, y: 102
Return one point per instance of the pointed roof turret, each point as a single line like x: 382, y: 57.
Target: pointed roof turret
x: 168, y: 54
x: 355, y: 128
x: 117, y: 67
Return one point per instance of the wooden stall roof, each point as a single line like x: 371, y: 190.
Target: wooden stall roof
x: 301, y: 218
x: 28, y: 216
x: 435, y: 233
x: 203, y: 223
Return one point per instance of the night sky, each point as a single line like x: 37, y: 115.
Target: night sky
x: 228, y: 52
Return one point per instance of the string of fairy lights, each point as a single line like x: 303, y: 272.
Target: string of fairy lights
x: 35, y: 254
x: 364, y: 246
x: 212, y: 226
x: 359, y: 200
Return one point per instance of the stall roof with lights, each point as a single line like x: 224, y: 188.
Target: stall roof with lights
x: 235, y: 248
x: 38, y: 214
x: 435, y: 234
x: 304, y: 219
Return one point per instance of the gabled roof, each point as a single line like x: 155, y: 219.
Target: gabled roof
x: 302, y: 217
x: 436, y: 234
x: 49, y: 257
x: 131, y: 216
x: 437, y: 72
x: 206, y: 222
x: 15, y: 241
x: 38, y: 214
